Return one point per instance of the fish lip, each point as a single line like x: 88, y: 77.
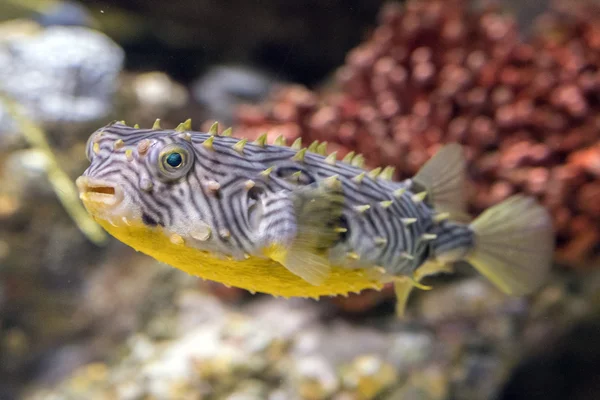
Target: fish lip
x: 99, y: 191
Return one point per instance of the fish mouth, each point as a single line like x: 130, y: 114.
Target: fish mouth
x: 98, y: 191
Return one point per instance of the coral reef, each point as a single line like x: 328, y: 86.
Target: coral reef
x: 437, y: 71
x: 79, y: 321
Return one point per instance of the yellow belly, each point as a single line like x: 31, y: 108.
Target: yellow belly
x: 254, y: 274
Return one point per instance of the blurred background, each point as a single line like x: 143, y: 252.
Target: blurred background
x: 83, y: 316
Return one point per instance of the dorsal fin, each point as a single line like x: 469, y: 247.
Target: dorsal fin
x: 443, y: 178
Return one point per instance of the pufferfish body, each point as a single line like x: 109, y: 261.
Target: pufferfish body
x: 292, y: 221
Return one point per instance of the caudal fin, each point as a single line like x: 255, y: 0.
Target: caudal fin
x: 514, y: 245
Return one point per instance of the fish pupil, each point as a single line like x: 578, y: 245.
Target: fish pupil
x: 174, y: 160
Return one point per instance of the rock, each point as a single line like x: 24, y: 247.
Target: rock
x: 223, y: 88
x: 60, y: 74
x: 66, y: 13
x: 368, y: 375
x: 315, y: 378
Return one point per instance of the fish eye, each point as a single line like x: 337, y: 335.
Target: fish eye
x: 174, y: 161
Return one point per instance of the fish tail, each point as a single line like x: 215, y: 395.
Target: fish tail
x: 513, y: 244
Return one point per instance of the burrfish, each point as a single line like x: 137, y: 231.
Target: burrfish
x: 295, y: 221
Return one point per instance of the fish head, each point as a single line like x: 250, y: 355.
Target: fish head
x: 141, y: 178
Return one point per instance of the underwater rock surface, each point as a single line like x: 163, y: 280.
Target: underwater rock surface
x: 461, y: 341
x: 60, y: 74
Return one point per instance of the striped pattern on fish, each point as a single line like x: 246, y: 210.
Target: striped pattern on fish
x: 303, y: 210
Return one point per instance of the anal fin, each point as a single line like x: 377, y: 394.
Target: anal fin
x: 403, y: 286
x: 431, y: 267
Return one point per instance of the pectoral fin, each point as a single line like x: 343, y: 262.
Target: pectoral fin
x: 311, y: 267
x: 314, y: 211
